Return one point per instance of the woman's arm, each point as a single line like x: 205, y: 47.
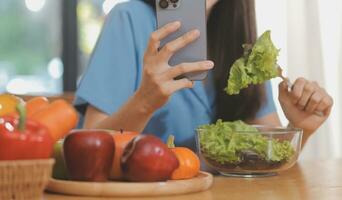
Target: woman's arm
x: 132, y: 116
x: 158, y: 83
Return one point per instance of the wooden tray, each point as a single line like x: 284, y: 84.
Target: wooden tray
x: 128, y: 189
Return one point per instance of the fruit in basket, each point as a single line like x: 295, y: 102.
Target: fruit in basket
x: 189, y: 163
x: 59, y: 117
x: 59, y: 169
x: 22, y: 138
x: 8, y: 104
x: 146, y: 158
x: 36, y: 104
x: 121, y: 139
x: 89, y: 155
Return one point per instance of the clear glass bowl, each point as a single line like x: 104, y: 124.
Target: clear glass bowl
x: 255, y: 153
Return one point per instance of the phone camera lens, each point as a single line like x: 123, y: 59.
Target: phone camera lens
x: 174, y: 1
x: 164, y: 4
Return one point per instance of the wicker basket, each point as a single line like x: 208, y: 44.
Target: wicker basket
x: 24, y: 179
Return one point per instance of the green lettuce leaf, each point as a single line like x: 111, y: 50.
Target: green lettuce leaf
x: 223, y: 143
x: 255, y: 67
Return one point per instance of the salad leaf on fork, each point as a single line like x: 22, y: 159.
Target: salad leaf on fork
x: 257, y: 65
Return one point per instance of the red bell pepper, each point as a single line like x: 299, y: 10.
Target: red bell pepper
x: 22, y: 139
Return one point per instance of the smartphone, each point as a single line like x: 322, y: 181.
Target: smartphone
x: 192, y: 15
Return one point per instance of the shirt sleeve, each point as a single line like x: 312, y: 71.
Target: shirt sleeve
x: 111, y: 76
x: 268, y: 107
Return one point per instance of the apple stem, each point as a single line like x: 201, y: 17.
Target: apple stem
x: 171, y: 141
x: 22, y: 116
x: 121, y: 131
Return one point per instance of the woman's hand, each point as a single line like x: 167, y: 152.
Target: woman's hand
x: 158, y: 81
x: 306, y: 106
x: 157, y: 84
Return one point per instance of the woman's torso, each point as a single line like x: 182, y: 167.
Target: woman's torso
x: 115, y: 72
x: 185, y: 110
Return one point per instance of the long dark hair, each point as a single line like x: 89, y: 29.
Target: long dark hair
x: 231, y: 23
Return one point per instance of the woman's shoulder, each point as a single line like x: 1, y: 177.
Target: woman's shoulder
x: 136, y: 17
x: 134, y: 9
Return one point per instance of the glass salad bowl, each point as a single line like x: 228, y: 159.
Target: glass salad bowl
x: 241, y: 150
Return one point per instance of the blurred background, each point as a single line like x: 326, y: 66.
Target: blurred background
x: 45, y: 46
x: 44, y: 42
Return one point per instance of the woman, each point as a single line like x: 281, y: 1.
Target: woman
x: 129, y: 84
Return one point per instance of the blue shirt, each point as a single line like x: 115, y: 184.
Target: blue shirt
x: 115, y: 71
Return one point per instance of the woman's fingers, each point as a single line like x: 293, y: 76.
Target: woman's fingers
x: 308, y: 91
x: 310, y: 97
x: 325, y: 105
x: 168, y: 88
x: 172, y: 47
x: 314, y: 101
x: 160, y: 34
x: 297, y: 90
x: 184, y: 68
x: 180, y: 84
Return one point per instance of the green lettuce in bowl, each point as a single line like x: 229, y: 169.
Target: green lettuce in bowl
x: 239, y: 147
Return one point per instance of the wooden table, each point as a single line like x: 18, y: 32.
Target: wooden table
x: 321, y: 180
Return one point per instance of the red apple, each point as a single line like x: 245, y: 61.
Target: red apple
x: 89, y: 155
x: 146, y: 158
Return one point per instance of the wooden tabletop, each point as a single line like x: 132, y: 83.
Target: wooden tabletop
x: 307, y: 180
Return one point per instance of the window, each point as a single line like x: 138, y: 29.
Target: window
x: 30, y: 46
x: 90, y: 17
x: 45, y: 45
